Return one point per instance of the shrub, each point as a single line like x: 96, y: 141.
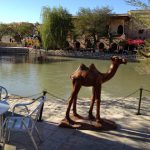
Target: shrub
x: 2, y: 44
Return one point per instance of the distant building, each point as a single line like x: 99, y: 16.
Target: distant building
x: 125, y: 24
x: 7, y: 39
x: 119, y: 24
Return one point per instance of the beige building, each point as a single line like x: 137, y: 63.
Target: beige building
x: 133, y: 25
x: 119, y: 24
x: 129, y: 26
x: 125, y: 24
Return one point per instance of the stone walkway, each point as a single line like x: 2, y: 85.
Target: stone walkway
x: 133, y: 132
x: 87, y: 54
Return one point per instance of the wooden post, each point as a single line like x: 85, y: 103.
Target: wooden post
x: 41, y: 111
x: 140, y: 98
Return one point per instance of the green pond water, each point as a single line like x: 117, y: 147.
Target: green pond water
x: 23, y: 76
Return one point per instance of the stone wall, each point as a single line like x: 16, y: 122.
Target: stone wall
x: 14, y: 50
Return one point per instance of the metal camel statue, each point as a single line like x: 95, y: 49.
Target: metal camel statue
x: 90, y: 76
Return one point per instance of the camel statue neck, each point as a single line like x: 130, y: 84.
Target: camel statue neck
x: 110, y: 73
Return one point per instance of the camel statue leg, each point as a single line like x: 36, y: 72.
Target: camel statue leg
x: 75, y: 107
x: 73, y: 97
x: 98, y: 100
x: 92, y: 105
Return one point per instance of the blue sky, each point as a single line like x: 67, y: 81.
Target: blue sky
x: 30, y: 10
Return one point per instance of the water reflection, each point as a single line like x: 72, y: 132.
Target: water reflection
x: 25, y: 76
x: 44, y: 59
x: 143, y: 68
x: 13, y: 59
x: 31, y: 59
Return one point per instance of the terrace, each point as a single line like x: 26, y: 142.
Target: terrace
x: 132, y: 131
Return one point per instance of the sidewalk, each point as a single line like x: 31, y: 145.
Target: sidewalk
x: 133, y: 132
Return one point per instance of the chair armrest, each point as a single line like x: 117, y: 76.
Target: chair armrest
x: 38, y: 108
x: 24, y: 105
x: 20, y: 105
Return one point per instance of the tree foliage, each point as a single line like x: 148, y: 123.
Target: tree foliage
x: 21, y: 30
x: 17, y: 30
x: 3, y: 30
x: 140, y: 18
x: 92, y: 22
x: 56, y: 23
x: 139, y: 3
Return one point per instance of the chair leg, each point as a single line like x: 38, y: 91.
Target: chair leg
x: 37, y: 131
x: 34, y: 143
x: 8, y: 137
x: 4, y: 138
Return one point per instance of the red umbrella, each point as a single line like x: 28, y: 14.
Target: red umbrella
x: 135, y: 42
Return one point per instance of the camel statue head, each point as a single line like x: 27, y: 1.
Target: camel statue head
x: 118, y: 60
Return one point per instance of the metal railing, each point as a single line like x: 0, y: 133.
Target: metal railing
x: 140, y: 91
x: 140, y: 99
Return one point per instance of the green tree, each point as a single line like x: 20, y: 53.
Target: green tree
x: 139, y: 3
x: 37, y: 32
x: 92, y: 23
x: 56, y: 23
x: 21, y: 30
x: 140, y: 18
x: 37, y: 29
x: 3, y: 30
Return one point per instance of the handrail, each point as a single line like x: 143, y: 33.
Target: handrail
x: 20, y: 97
x: 80, y: 100
x: 139, y: 104
x: 146, y: 90
x: 130, y: 94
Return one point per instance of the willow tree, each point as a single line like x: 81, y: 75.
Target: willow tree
x: 92, y: 22
x: 56, y: 23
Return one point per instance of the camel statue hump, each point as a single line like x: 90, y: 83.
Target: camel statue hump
x: 83, y: 67
x: 92, y: 67
x: 81, y: 71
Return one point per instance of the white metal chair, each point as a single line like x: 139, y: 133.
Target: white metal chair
x: 3, y: 94
x: 26, y: 122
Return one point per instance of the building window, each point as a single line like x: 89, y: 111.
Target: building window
x: 113, y: 47
x: 141, y: 31
x: 101, y: 46
x: 120, y: 29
